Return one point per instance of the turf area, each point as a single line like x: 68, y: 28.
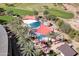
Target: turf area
x: 61, y: 13
x: 20, y: 11
x: 6, y: 18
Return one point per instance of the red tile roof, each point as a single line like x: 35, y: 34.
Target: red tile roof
x: 44, y: 30
x: 29, y: 17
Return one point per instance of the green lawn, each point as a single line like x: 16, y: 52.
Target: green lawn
x: 61, y: 13
x: 6, y: 18
x: 20, y: 11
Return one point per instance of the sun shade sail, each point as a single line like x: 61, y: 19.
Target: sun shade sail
x: 44, y: 30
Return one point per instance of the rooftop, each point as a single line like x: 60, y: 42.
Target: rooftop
x: 66, y: 50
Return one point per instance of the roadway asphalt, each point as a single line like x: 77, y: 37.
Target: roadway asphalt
x: 3, y: 42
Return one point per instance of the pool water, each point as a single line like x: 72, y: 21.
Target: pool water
x: 40, y: 37
x: 35, y: 24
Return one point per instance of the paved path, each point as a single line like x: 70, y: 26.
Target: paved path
x: 3, y: 42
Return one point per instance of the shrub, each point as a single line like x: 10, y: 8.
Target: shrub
x: 35, y: 12
x: 3, y: 21
x: 46, y: 12
x: 66, y: 28
x: 46, y: 7
x: 52, y: 53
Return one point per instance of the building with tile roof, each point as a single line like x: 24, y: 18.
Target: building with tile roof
x: 66, y: 50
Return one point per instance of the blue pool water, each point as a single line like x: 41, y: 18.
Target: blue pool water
x: 40, y: 37
x: 35, y: 24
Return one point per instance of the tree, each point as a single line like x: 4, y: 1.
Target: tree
x: 52, y: 53
x: 65, y: 27
x: 72, y: 33
x: 2, y: 11
x: 3, y: 21
x: 10, y: 12
x: 59, y: 22
x: 52, y: 17
x: 46, y: 7
x: 55, y: 4
x: 23, y: 38
x: 67, y: 40
x: 10, y: 4
x: 46, y: 12
x: 53, y: 34
x: 35, y: 12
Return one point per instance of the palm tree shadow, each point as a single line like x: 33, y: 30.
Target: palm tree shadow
x: 13, y: 47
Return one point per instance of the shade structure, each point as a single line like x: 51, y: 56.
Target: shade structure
x: 44, y: 30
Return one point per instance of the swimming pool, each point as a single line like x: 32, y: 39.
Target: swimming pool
x: 42, y: 37
x: 35, y: 25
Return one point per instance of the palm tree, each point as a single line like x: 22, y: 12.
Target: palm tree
x: 35, y: 12
x: 46, y: 12
x: 52, y: 53
x: 24, y: 39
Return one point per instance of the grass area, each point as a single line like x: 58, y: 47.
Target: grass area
x: 19, y: 11
x: 61, y: 13
x: 23, y: 9
x: 6, y: 18
x: 36, y: 6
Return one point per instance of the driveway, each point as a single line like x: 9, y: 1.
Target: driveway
x: 3, y: 42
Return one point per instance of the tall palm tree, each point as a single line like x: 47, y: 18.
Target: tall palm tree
x: 24, y: 40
